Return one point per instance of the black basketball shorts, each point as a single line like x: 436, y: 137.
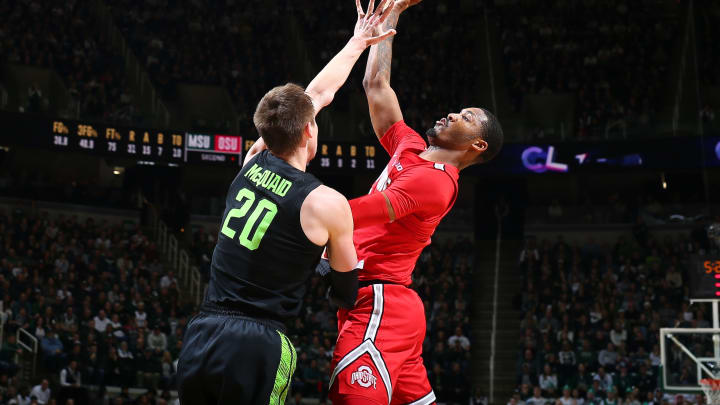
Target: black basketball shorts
x: 233, y: 359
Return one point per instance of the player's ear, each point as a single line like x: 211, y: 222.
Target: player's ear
x: 310, y: 130
x: 480, y: 145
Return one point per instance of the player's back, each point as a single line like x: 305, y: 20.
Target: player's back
x: 263, y: 258
x: 421, y: 193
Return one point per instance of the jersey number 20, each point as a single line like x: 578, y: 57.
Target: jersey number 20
x: 247, y: 198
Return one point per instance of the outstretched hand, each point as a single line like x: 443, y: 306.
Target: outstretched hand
x: 368, y: 21
x: 402, y: 5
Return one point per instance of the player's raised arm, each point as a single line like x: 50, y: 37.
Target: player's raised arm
x: 323, y: 87
x: 382, y: 100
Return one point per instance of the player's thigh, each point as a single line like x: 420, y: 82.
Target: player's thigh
x: 236, y: 361
x: 412, y: 385
x: 261, y: 371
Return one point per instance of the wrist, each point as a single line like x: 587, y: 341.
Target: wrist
x: 357, y: 43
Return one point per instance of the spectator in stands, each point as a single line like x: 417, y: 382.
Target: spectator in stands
x: 101, y: 321
x: 141, y: 317
x: 458, y: 337
x: 70, y: 376
x: 548, y: 381
x: 168, y: 280
x: 52, y: 348
x: 537, y: 398
x: 608, y: 357
x: 42, y: 392
x: 566, y: 399
x: 9, y: 350
x: 149, y: 370
x: 157, y: 340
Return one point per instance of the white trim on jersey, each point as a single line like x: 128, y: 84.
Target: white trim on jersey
x: 426, y: 400
x: 369, y: 348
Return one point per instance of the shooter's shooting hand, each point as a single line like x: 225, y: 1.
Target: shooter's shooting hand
x: 402, y: 5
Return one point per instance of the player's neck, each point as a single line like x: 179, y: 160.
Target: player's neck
x: 446, y: 156
x: 297, y: 160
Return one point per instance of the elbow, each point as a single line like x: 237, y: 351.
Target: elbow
x: 373, y: 82
x: 321, y: 99
x: 324, y: 99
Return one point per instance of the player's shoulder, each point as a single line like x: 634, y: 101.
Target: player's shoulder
x: 326, y: 202
x: 431, y: 171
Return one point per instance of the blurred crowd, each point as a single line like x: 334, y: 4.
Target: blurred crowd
x: 613, y: 56
x: 589, y: 332
x: 441, y: 279
x: 104, y: 310
x: 239, y: 45
x: 63, y: 36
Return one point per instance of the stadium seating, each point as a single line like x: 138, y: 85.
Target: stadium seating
x: 614, y: 57
x: 91, y: 292
x: 62, y: 36
x: 228, y: 44
x: 592, y: 313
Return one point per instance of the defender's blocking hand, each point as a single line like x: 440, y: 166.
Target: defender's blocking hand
x: 368, y: 21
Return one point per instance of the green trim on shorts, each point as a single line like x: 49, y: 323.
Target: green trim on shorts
x: 285, y: 370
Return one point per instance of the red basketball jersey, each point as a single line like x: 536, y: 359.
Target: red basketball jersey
x: 421, y: 193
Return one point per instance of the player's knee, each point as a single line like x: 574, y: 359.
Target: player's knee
x: 353, y: 400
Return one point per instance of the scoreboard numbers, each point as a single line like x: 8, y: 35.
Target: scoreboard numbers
x: 175, y: 147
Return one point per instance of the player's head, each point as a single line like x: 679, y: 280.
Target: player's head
x: 285, y: 119
x: 474, y: 130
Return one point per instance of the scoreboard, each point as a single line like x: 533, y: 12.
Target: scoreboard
x: 342, y: 156
x: 136, y: 143
x: 181, y: 147
x: 206, y: 148
x: 705, y: 277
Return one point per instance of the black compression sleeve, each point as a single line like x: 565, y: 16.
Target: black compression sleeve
x: 344, y: 288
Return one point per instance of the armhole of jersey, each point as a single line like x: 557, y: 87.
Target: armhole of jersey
x: 300, y: 204
x: 441, y: 167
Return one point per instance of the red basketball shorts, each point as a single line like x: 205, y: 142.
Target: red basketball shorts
x: 378, y: 356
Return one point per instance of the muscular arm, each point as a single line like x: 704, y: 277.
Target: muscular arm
x: 382, y: 100
x: 326, y: 219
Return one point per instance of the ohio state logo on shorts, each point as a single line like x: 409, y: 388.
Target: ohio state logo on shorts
x: 364, y: 377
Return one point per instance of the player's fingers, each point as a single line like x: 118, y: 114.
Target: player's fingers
x: 372, y: 21
x: 359, y: 9
x: 378, y: 39
x: 371, y: 7
x: 385, y: 15
x: 381, y: 7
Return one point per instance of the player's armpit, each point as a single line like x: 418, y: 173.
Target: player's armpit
x: 401, y: 136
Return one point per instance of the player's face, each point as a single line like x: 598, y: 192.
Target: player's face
x: 457, y: 131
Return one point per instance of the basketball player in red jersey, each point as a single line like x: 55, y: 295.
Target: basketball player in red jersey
x: 377, y: 358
